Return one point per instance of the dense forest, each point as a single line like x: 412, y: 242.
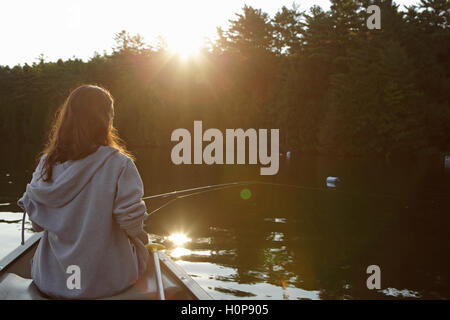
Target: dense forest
x: 330, y: 84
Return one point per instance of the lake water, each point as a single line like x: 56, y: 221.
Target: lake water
x: 277, y: 241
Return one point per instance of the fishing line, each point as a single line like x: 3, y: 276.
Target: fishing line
x: 200, y: 190
x: 365, y: 194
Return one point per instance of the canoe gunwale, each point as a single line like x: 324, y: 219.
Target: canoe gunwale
x: 19, y: 251
x: 195, y: 289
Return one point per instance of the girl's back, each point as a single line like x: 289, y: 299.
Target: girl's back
x: 92, y: 215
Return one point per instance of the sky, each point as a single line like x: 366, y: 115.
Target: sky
x: 65, y: 29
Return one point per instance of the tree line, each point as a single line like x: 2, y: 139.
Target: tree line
x: 329, y: 84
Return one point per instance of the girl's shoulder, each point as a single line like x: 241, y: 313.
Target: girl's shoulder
x: 118, y: 156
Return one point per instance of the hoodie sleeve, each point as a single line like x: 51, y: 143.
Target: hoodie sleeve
x: 21, y: 203
x: 24, y: 201
x: 129, y: 208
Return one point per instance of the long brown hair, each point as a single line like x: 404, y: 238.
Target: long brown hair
x: 81, y: 125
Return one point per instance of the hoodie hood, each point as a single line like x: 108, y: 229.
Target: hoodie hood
x: 69, y: 178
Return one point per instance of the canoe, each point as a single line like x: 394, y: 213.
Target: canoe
x: 16, y: 282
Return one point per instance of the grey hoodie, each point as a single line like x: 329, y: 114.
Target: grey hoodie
x: 92, y: 217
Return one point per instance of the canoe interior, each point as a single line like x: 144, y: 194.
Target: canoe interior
x: 178, y: 284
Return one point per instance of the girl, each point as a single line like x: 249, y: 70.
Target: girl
x: 86, y: 195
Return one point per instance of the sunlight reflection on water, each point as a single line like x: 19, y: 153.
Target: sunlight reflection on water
x: 179, y: 239
x: 219, y: 281
x: 405, y: 293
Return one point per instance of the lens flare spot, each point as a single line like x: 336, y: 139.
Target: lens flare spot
x: 246, y: 194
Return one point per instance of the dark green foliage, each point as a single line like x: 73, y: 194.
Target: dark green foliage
x: 328, y: 82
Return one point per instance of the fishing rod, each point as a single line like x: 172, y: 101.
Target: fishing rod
x: 215, y: 186
x: 198, y: 190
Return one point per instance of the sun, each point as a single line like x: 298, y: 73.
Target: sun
x: 187, y: 40
x: 184, y: 46
x: 184, y: 28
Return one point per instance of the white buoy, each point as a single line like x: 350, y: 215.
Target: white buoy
x: 332, y: 182
x: 447, y: 161
x: 288, y: 155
